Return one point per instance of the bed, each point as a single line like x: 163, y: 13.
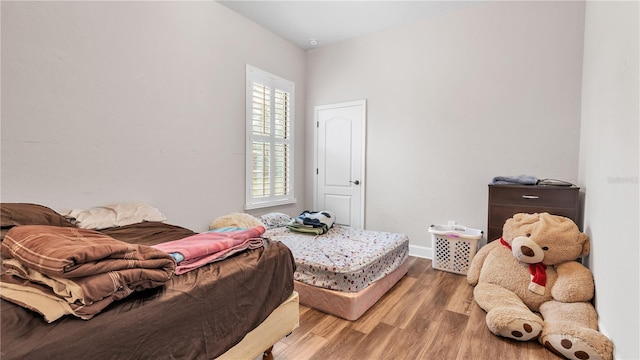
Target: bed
x: 344, y: 271
x: 236, y: 308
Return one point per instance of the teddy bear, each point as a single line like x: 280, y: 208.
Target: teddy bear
x: 532, y: 287
x: 235, y: 219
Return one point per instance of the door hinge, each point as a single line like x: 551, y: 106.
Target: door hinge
x: 317, y: 124
x: 317, y: 172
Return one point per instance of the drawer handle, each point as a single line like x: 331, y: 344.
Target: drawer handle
x: 531, y: 196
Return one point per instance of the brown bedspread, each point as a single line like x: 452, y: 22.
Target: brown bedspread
x: 198, y: 315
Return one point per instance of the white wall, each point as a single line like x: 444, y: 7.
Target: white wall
x: 454, y: 100
x: 118, y: 101
x: 609, y: 159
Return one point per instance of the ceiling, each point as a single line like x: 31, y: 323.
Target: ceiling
x: 329, y: 22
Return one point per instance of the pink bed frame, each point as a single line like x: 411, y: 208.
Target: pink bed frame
x: 348, y: 305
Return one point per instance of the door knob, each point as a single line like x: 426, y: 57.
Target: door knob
x: 357, y: 182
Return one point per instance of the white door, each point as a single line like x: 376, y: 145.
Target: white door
x: 340, y: 162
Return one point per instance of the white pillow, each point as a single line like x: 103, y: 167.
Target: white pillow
x: 102, y: 217
x: 275, y: 219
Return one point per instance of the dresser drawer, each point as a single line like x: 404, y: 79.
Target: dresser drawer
x: 507, y: 200
x: 494, y: 233
x: 500, y: 213
x: 535, y: 196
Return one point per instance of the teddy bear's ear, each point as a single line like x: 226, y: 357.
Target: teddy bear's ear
x: 586, y: 244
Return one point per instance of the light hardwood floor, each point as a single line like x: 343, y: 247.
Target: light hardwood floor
x: 428, y: 314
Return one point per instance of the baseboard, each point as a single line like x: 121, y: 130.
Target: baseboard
x: 421, y: 251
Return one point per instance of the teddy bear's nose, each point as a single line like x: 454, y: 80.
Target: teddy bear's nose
x: 527, y: 251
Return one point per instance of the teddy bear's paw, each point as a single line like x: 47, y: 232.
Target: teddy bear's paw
x: 572, y: 347
x: 523, y: 327
x: 521, y: 330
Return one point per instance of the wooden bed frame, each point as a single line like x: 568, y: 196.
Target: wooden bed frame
x: 280, y: 323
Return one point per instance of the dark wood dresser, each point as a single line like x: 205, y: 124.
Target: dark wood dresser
x: 507, y: 200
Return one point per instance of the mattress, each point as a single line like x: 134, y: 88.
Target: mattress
x: 344, y: 259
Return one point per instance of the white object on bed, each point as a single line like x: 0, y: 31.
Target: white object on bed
x: 316, y: 218
x: 121, y: 214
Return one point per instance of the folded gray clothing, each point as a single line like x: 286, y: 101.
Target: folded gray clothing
x: 520, y: 179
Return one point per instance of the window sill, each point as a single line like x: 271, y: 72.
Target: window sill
x: 269, y: 204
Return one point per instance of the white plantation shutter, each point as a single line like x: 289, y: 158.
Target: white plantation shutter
x: 269, y: 171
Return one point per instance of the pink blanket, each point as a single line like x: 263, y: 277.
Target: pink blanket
x: 205, y: 248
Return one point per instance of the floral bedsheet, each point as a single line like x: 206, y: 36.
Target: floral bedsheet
x: 344, y: 259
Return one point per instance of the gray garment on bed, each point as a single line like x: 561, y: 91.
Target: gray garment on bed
x: 520, y: 179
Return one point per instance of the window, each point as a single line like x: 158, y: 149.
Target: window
x: 269, y: 162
